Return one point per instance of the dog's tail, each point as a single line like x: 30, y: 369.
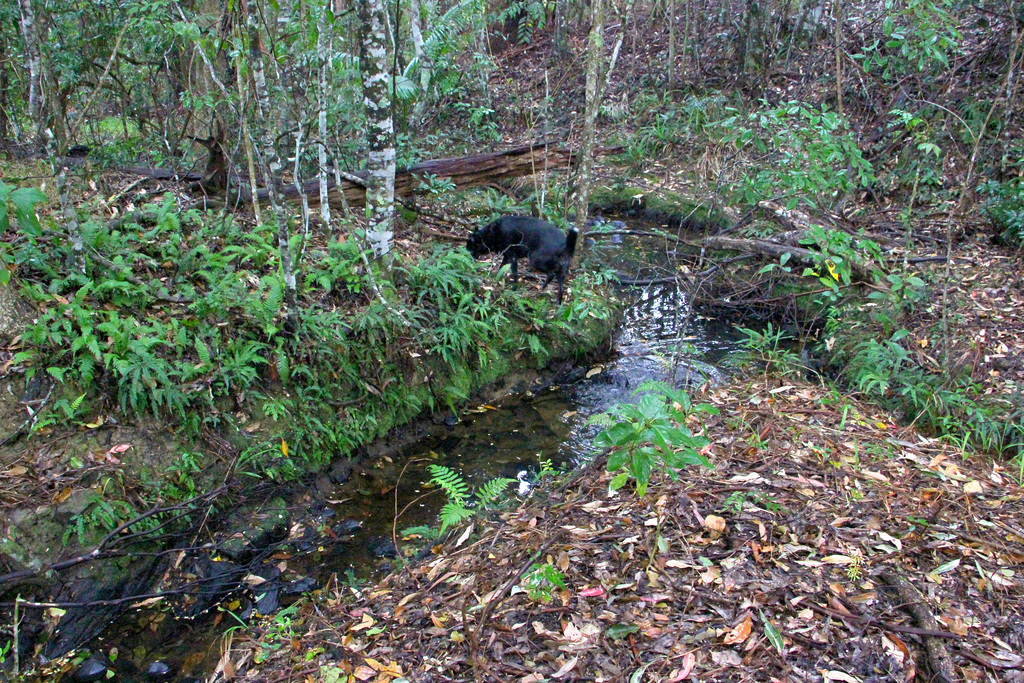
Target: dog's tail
x: 570, y: 241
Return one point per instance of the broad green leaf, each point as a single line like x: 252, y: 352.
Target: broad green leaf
x: 25, y: 200
x: 773, y: 634
x: 617, y: 631
x: 617, y: 459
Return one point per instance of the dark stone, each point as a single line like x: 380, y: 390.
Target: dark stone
x: 324, y: 513
x: 92, y: 669
x: 79, y: 625
x: 341, y: 470
x: 35, y: 389
x: 451, y: 420
x: 324, y: 485
x: 380, y: 546
x: 299, y: 586
x: 307, y: 541
x: 268, y: 593
x: 255, y: 528
x: 269, y: 600
x: 216, y: 580
x: 159, y: 671
x: 246, y: 612
x: 346, y: 527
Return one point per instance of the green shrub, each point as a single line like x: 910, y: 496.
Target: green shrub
x: 1004, y: 205
x: 651, y: 434
x: 803, y: 154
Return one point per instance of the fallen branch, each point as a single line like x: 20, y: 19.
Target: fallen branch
x: 473, y: 637
x: 115, y: 535
x: 938, y: 657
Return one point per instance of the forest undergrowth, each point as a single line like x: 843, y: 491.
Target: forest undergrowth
x: 865, y: 174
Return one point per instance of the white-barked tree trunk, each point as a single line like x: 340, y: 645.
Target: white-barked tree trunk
x: 380, y: 128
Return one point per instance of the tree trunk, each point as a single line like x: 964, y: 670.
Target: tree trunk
x: 595, y: 55
x: 29, y: 34
x: 423, y: 62
x: 271, y: 167
x: 837, y: 9
x: 470, y: 171
x: 380, y: 164
x: 323, y: 55
x: 5, y: 97
x: 671, y: 44
x: 560, y: 38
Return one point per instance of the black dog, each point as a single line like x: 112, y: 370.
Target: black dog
x: 514, y: 237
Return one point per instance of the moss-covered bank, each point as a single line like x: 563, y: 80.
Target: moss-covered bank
x: 664, y: 206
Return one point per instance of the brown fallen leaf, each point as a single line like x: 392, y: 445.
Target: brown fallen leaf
x: 684, y: 670
x: 714, y: 524
x: 364, y: 673
x: 740, y: 632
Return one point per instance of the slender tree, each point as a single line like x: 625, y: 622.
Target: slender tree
x: 30, y: 36
x: 270, y: 165
x: 423, y: 61
x: 380, y: 128
x: 323, y: 55
x: 595, y: 57
x: 5, y: 96
x: 560, y: 35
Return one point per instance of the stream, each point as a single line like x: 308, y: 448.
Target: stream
x: 343, y: 535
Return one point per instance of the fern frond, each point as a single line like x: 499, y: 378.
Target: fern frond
x: 453, y: 514
x: 492, y: 491
x: 654, y: 386
x: 451, y: 482
x: 602, y: 420
x: 202, y: 351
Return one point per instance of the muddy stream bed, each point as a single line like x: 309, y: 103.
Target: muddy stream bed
x: 340, y: 534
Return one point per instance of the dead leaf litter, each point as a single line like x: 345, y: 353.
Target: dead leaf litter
x: 791, y: 560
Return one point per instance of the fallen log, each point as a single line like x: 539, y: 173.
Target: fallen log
x: 474, y: 170
x: 469, y: 171
x: 776, y: 251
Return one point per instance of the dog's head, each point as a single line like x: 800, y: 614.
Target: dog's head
x: 477, y: 243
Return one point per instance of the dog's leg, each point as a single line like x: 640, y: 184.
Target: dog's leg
x: 515, y: 266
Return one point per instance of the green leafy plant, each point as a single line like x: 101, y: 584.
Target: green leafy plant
x: 279, y: 633
x: 101, y: 516
x: 904, y: 293
x: 461, y: 500
x: 771, y: 347
x: 651, y: 434
x: 1004, y: 205
x: 541, y: 581
x: 735, y: 501
x: 23, y: 201
x: 918, y: 35
x: 804, y: 154
x: 435, y: 186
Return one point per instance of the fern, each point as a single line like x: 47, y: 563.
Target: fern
x: 493, y: 491
x: 453, y: 514
x: 451, y: 482
x: 203, y: 352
